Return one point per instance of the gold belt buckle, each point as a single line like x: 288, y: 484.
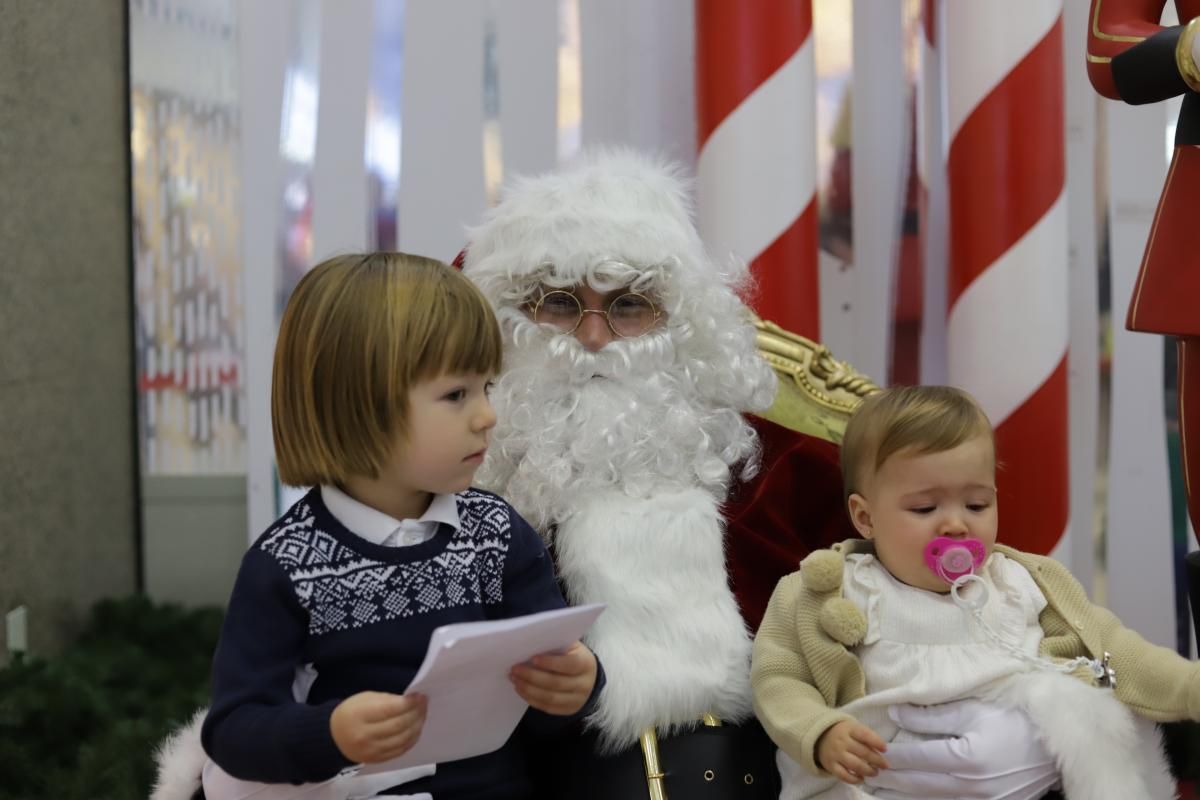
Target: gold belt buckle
x: 654, y: 773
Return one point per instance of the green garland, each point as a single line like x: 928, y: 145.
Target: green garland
x: 85, y: 723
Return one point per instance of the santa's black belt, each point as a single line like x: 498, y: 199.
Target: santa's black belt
x: 710, y: 761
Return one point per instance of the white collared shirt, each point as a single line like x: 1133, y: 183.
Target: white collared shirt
x: 379, y: 528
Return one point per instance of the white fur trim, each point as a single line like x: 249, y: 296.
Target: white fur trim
x: 672, y: 640
x: 180, y: 761
x: 1103, y: 750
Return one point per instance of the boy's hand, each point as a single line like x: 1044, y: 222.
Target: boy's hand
x: 557, y: 683
x: 369, y: 727
x: 851, y: 751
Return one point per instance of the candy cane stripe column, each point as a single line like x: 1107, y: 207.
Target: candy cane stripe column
x: 756, y: 176
x: 1007, y: 333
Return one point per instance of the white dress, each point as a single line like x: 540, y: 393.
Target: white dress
x: 920, y: 647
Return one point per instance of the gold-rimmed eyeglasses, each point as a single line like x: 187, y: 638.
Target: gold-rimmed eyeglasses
x: 628, y: 315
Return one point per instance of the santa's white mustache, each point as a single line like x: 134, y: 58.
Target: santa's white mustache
x: 627, y: 418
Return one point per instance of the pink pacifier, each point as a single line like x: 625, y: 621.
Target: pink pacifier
x: 950, y: 558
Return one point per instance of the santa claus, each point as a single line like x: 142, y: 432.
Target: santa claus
x: 630, y: 362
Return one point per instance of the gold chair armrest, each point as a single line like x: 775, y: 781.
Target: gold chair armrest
x: 817, y: 393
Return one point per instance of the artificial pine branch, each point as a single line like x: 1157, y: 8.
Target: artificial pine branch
x: 85, y: 723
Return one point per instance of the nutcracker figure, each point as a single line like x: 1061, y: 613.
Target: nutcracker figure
x: 1131, y: 57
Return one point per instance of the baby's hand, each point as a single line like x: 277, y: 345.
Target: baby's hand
x: 851, y: 751
x: 370, y: 727
x: 557, y: 683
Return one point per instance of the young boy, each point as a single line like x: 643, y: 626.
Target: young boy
x: 889, y: 620
x: 379, y: 400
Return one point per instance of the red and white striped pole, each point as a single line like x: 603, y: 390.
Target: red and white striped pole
x: 756, y: 176
x: 1007, y: 334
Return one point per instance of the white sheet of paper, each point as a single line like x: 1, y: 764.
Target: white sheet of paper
x: 473, y: 707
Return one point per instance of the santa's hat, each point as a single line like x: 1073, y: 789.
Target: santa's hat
x: 611, y: 205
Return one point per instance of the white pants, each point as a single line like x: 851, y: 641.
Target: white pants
x: 220, y: 785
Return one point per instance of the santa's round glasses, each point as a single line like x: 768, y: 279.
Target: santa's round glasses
x: 628, y: 315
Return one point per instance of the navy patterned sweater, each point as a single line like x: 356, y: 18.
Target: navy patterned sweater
x: 309, y: 591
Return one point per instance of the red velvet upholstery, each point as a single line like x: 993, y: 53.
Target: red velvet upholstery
x: 792, y: 507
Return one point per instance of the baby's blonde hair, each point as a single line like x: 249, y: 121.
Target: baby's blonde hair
x: 927, y: 419
x: 358, y: 332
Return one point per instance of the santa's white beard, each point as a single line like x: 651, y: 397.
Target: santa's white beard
x: 629, y: 418
x: 619, y: 457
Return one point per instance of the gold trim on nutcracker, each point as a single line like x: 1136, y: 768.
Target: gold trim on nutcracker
x: 654, y: 773
x: 1108, y: 37
x: 1183, y: 426
x: 711, y: 721
x: 1183, y: 55
x: 1098, y: 59
x: 817, y: 393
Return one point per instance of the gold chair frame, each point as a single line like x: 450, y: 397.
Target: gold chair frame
x: 817, y: 393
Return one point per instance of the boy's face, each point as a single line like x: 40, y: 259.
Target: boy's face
x: 916, y: 497
x: 449, y: 420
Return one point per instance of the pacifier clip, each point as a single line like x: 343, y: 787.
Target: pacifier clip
x: 955, y: 561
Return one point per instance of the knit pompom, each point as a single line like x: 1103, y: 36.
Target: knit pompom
x: 822, y: 571
x: 842, y: 620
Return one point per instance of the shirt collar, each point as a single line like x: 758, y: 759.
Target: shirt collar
x: 376, y: 526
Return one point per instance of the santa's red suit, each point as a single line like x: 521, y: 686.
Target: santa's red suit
x: 1131, y: 57
x: 792, y: 506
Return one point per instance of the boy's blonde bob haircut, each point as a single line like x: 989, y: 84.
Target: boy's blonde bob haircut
x: 927, y: 419
x: 358, y: 332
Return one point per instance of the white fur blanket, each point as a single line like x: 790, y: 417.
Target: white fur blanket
x: 1103, y: 750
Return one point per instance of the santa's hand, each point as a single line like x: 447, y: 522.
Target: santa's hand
x: 988, y: 752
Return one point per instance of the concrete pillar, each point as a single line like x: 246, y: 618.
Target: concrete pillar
x: 68, y: 473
